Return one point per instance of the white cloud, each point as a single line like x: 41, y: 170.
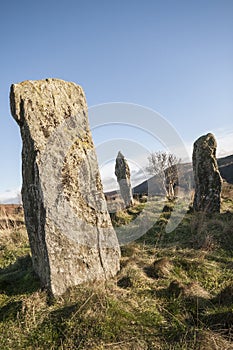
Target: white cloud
x: 225, y: 143
x: 107, y: 171
x: 137, y: 161
x: 10, y: 197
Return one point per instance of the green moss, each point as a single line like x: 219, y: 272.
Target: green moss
x: 137, y: 310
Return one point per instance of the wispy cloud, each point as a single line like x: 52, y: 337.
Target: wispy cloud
x: 224, y: 139
x: 138, y: 175
x: 138, y: 164
x: 225, y: 142
x: 10, y: 196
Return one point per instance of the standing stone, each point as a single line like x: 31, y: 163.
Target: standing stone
x: 71, y: 236
x: 122, y: 173
x: 208, y: 182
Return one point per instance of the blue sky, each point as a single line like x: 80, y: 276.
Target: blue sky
x: 173, y: 56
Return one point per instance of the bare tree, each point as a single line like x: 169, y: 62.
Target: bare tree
x: 164, y: 166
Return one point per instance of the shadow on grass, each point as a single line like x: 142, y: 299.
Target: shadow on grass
x: 65, y: 324
x: 19, y: 278
x: 150, y: 272
x: 225, y: 297
x: 221, y: 322
x: 10, y: 311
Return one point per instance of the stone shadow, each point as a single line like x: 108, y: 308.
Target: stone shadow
x: 10, y: 310
x: 221, y: 322
x: 19, y: 278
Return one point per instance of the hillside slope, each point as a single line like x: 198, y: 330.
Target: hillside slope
x: 186, y: 176
x: 226, y: 168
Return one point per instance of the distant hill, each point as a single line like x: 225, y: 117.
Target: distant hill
x: 226, y: 168
x: 10, y: 209
x: 186, y: 176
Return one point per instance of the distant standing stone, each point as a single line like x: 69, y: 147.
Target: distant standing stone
x: 71, y: 236
x: 122, y: 173
x: 207, y: 179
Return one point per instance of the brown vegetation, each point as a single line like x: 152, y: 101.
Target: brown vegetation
x: 173, y: 292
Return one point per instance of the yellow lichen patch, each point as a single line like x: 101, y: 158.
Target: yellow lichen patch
x: 99, y: 185
x: 81, y: 187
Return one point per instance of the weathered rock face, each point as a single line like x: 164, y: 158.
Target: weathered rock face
x: 207, y: 179
x: 122, y: 173
x: 70, y: 232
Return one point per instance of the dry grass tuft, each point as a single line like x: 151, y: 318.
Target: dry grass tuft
x: 207, y: 340
x: 173, y: 292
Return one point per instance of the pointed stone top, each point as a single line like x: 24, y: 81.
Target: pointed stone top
x: 120, y: 155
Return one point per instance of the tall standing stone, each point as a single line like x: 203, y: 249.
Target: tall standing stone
x: 207, y: 179
x: 71, y: 236
x: 122, y: 173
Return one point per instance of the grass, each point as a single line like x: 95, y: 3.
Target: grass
x: 174, y: 291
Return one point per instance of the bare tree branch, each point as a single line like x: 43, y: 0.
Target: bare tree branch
x: 164, y: 166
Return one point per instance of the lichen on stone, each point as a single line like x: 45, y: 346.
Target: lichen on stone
x: 207, y: 179
x: 122, y: 173
x: 70, y: 231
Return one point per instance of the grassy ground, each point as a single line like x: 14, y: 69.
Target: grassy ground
x: 174, y: 291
